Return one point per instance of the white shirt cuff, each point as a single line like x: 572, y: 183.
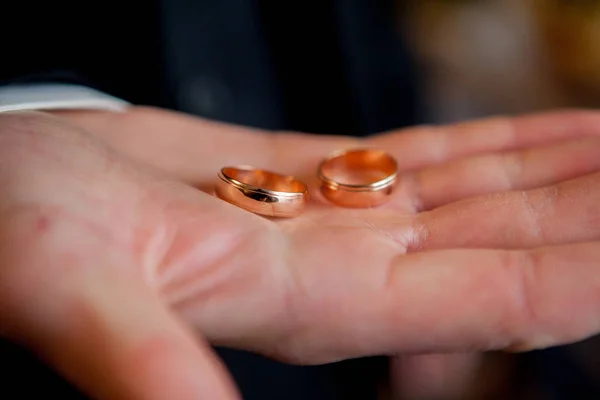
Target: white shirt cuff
x: 43, y: 96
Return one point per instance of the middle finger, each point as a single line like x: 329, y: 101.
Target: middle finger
x: 560, y: 214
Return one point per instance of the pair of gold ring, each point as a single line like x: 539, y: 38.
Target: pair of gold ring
x: 358, y: 178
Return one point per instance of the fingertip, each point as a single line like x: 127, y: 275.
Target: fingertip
x: 434, y: 376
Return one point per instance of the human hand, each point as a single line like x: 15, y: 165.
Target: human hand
x: 559, y: 140
x: 512, y: 182
x: 299, y: 292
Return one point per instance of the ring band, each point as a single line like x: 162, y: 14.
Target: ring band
x: 262, y: 192
x: 358, y: 178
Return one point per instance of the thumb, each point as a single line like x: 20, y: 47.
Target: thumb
x: 120, y: 342
x: 98, y: 323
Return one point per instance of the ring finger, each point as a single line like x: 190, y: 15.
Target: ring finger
x: 442, y: 184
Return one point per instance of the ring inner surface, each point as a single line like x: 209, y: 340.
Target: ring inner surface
x: 265, y: 180
x: 362, y: 167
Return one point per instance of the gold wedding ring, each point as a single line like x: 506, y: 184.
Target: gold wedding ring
x: 358, y: 178
x: 262, y: 192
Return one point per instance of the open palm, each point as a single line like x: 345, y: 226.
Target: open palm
x: 478, y: 249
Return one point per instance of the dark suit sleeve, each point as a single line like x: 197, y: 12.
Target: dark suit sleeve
x: 47, y: 76
x: 43, y: 43
x: 111, y: 46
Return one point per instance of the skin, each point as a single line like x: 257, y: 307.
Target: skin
x: 119, y: 265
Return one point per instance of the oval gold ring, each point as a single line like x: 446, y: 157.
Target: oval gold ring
x: 262, y: 192
x: 358, y: 178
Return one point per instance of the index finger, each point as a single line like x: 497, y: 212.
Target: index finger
x: 458, y: 300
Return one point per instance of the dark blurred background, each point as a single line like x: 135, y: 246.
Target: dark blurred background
x: 353, y: 67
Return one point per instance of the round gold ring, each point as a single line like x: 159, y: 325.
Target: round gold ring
x: 358, y: 178
x: 262, y: 192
